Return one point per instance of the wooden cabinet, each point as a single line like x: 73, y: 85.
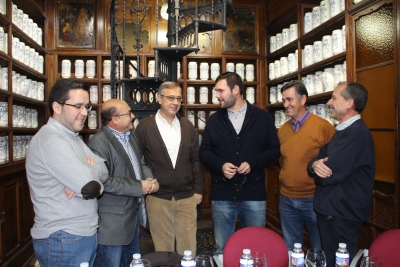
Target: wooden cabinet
x: 372, y: 60
x: 16, y: 210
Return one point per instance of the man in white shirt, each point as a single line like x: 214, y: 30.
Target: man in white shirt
x: 170, y: 146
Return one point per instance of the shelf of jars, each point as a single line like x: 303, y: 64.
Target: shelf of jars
x: 31, y: 9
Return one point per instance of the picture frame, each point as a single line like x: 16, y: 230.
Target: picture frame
x: 76, y: 24
x: 241, y: 33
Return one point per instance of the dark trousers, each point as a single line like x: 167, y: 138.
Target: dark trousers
x: 335, y: 230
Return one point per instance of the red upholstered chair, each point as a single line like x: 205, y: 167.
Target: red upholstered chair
x: 386, y: 246
x: 257, y: 239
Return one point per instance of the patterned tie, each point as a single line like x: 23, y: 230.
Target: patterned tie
x: 136, y: 168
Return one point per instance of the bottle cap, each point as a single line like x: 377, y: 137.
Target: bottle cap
x: 246, y: 251
x: 297, y: 245
x: 342, y: 245
x: 136, y: 256
x: 187, y: 253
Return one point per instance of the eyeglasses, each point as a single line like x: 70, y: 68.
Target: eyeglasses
x: 172, y: 98
x: 128, y: 113
x: 88, y: 107
x: 237, y: 188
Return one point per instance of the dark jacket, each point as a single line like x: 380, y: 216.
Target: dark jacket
x: 257, y: 144
x: 174, y: 182
x: 118, y: 206
x: 348, y: 192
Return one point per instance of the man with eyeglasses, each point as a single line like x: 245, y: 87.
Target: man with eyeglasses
x: 239, y: 141
x: 170, y: 145
x: 65, y: 178
x: 122, y: 204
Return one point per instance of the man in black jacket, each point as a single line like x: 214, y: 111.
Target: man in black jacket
x: 239, y: 141
x: 344, y: 173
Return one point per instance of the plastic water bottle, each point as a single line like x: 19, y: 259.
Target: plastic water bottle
x: 136, y: 262
x: 84, y: 264
x: 246, y: 260
x: 297, y: 256
x: 342, y: 256
x: 187, y: 260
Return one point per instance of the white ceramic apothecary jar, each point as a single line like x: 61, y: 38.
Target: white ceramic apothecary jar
x: 107, y: 69
x: 215, y: 70
x: 192, y: 70
x: 90, y: 68
x: 66, y: 68
x: 93, y: 94
x: 79, y: 69
x: 203, y: 95
x: 249, y: 72
x: 204, y: 67
x: 190, y: 95
x: 106, y: 92
x: 92, y: 119
x: 250, y: 95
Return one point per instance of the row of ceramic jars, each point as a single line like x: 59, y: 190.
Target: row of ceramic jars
x: 27, y: 55
x: 3, y: 114
x: 204, y: 96
x: 26, y: 24
x: 325, y: 81
x: 287, y: 36
x: 79, y: 68
x: 322, y: 13
x: 246, y: 72
x: 205, y: 71
x: 94, y: 93
x: 22, y: 85
x: 24, y: 117
x: 20, y: 146
x: 201, y: 118
x: 329, y: 46
x: 284, y: 66
x: 315, y: 83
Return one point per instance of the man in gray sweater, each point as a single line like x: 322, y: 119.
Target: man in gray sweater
x: 65, y: 178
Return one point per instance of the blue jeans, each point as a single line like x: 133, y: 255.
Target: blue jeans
x: 224, y: 214
x: 114, y: 256
x: 295, y: 213
x: 64, y: 249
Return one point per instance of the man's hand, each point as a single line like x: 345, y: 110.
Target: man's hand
x: 69, y: 193
x: 154, y: 185
x: 198, y: 197
x: 244, y: 168
x: 149, y: 185
x: 321, y: 169
x: 90, y: 161
x: 229, y: 170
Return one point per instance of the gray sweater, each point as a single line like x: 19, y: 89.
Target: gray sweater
x: 57, y: 159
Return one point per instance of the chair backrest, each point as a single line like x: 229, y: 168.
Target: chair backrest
x: 257, y: 239
x: 386, y: 246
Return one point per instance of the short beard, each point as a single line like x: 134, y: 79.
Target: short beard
x: 230, y: 102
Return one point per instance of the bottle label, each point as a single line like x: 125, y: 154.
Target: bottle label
x: 188, y: 264
x: 342, y: 261
x: 297, y: 262
x: 246, y: 263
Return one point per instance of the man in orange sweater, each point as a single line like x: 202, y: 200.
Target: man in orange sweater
x: 300, y: 139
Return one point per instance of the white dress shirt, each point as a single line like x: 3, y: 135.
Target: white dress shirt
x: 171, y: 135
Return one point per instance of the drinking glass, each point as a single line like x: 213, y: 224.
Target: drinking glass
x: 260, y: 260
x: 204, y: 261
x: 315, y: 258
x: 371, y: 261
x: 146, y: 263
